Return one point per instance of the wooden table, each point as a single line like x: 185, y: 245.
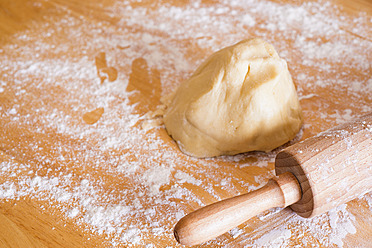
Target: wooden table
x: 84, y: 164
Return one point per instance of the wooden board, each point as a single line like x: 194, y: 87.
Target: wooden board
x: 83, y: 160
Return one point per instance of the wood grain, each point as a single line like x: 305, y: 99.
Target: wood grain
x: 23, y: 224
x: 332, y: 168
x: 56, y: 122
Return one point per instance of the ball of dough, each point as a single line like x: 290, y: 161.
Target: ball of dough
x: 240, y: 99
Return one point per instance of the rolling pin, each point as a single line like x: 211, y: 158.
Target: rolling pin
x: 313, y: 176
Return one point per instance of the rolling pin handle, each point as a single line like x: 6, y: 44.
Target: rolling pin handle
x: 213, y: 220
x: 290, y: 188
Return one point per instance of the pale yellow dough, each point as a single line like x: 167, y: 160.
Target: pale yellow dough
x: 240, y: 99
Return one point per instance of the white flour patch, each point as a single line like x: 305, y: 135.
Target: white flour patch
x: 97, y: 179
x: 183, y: 177
x: 274, y: 238
x: 154, y: 178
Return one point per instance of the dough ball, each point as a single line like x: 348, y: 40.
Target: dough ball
x: 240, y: 99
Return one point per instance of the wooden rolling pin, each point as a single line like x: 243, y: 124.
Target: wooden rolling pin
x: 314, y: 176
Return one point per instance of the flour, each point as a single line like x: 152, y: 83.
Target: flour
x: 275, y: 238
x: 124, y: 182
x: 132, y: 235
x: 328, y: 229
x: 187, y: 178
x: 13, y: 111
x: 235, y: 232
x: 154, y: 178
x: 341, y: 225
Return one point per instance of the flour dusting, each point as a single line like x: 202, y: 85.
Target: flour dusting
x: 130, y: 184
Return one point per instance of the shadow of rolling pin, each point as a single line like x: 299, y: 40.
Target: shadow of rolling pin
x: 314, y: 176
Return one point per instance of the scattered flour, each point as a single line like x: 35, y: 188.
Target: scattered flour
x: 155, y: 177
x: 76, y: 171
x: 132, y: 235
x: 274, y: 238
x: 183, y: 177
x: 341, y: 225
x: 235, y: 232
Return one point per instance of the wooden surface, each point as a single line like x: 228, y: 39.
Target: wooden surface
x: 84, y: 164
